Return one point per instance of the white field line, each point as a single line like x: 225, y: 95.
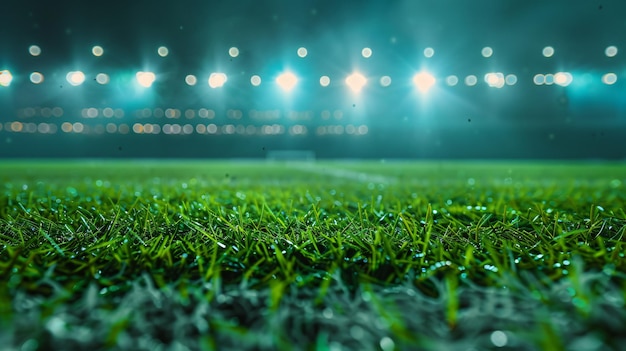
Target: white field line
x: 361, y: 177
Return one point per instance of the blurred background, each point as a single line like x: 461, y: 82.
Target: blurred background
x: 313, y: 79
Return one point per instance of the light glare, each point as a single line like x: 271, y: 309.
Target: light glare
x: 424, y: 81
x: 145, y: 79
x: 5, y: 78
x: 217, y: 80
x: 75, y: 78
x: 563, y: 78
x: 356, y: 81
x: 494, y: 80
x: 287, y: 81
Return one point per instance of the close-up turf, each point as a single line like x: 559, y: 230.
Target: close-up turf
x: 197, y: 255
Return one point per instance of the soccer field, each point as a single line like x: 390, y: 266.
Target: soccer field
x: 252, y: 255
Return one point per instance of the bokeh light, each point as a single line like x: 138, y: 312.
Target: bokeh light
x: 548, y: 51
x: 102, y: 78
x: 424, y: 81
x: 302, y: 52
x: 385, y: 81
x: 366, y: 52
x: 510, y: 79
x: 287, y: 81
x: 255, y: 80
x: 75, y: 78
x: 145, y: 79
x: 324, y: 81
x: 36, y: 78
x: 34, y: 50
x: 486, y: 51
x: 163, y: 51
x: 471, y: 80
x: 233, y: 52
x: 494, y: 79
x: 5, y: 78
x: 452, y: 80
x: 611, y: 51
x: 191, y: 80
x: 97, y: 51
x: 539, y: 79
x: 217, y: 80
x: 563, y: 78
x: 609, y: 78
x: 356, y: 81
x: 549, y: 79
x: 429, y: 52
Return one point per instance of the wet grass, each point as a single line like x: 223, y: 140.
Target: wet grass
x: 312, y: 256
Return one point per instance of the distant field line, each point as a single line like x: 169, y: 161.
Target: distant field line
x: 362, y: 177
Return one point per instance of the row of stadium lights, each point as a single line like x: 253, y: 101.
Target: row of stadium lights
x: 179, y: 129
x: 356, y: 81
x: 174, y: 113
x: 302, y: 52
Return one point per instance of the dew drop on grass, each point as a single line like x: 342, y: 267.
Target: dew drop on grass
x: 327, y: 313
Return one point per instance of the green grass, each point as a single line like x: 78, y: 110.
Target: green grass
x: 186, y: 255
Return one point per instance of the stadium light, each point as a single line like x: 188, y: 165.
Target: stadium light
x: 287, y: 81
x: 145, y: 79
x: 5, y: 78
x: 356, y: 81
x: 563, y: 78
x: 495, y: 80
x: 217, y: 80
x: 75, y: 78
x: 424, y: 81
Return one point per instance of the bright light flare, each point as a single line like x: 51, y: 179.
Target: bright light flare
x: 217, y: 80
x: 356, y: 81
x: 287, y: 81
x: 495, y: 80
x: 75, y: 78
x: 424, y: 81
x: 5, y: 78
x: 145, y: 79
x: 563, y: 78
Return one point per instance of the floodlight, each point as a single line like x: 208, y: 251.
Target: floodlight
x: 145, y: 79
x: 495, y: 80
x: 563, y: 78
x: 424, y: 81
x: 287, y: 81
x: 217, y: 80
x: 75, y: 78
x: 5, y: 78
x: 356, y: 81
